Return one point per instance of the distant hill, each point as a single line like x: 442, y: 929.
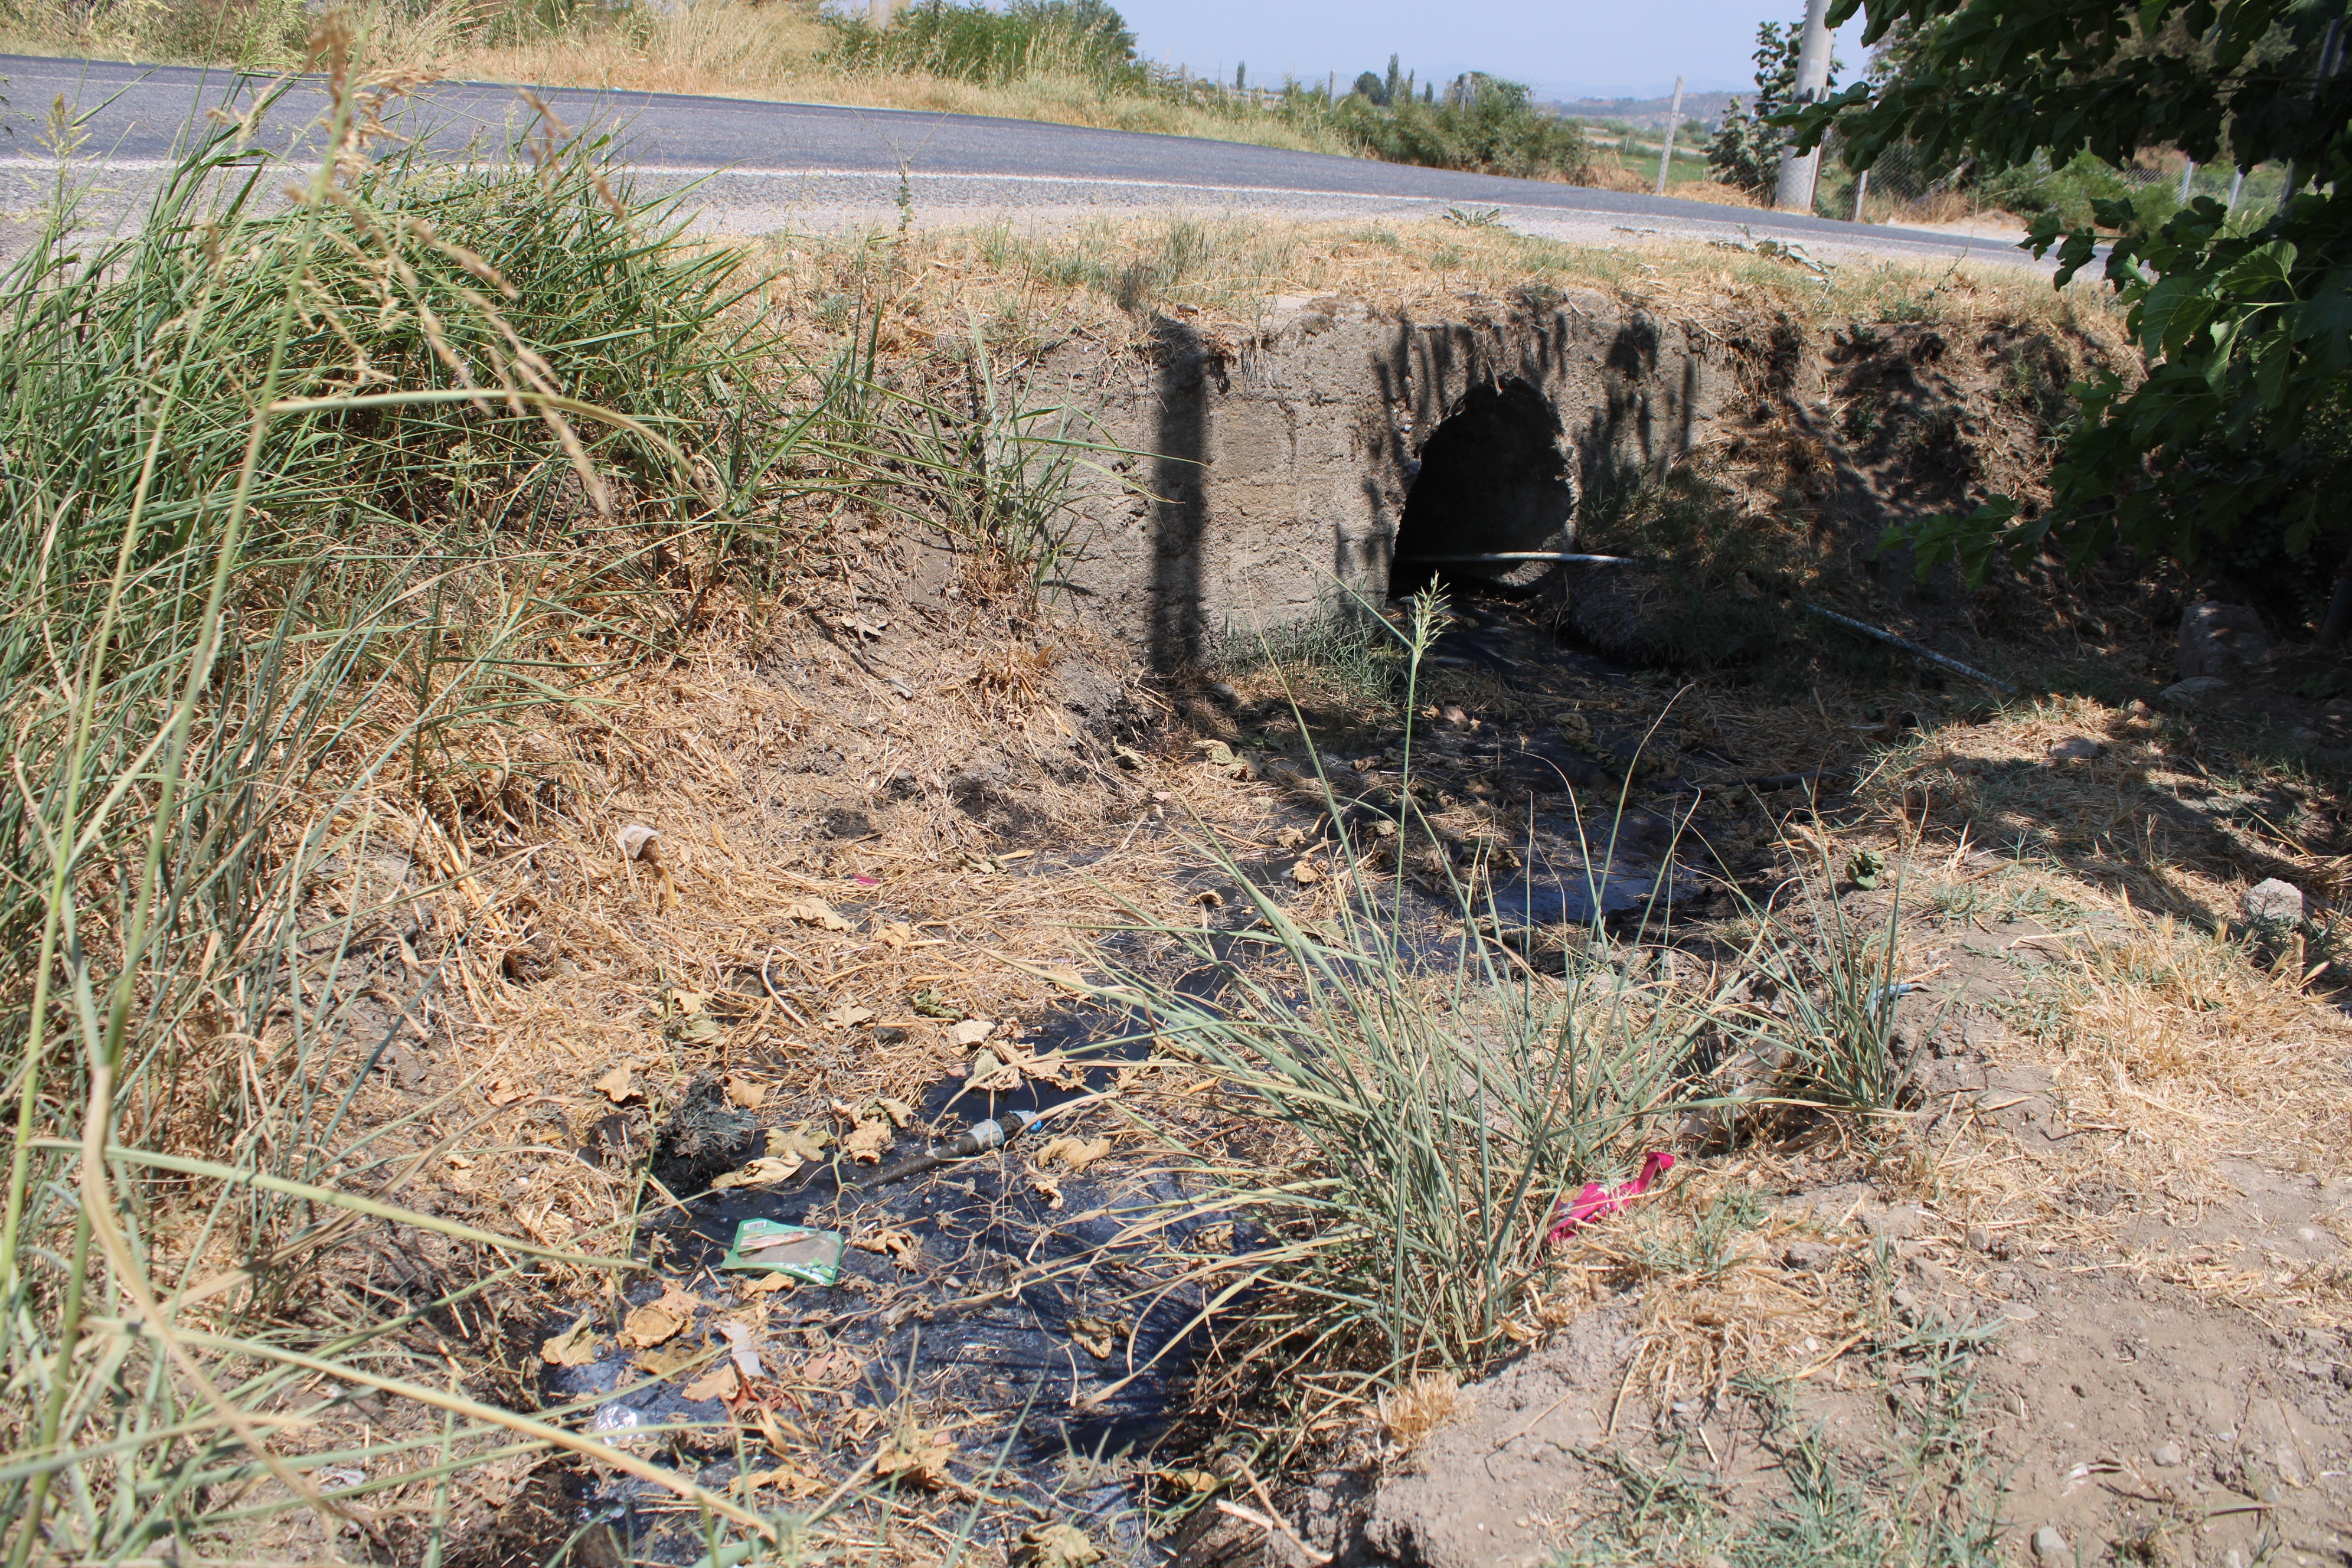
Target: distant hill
x: 1648, y: 113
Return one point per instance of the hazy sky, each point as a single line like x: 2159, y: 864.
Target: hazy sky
x: 1564, y: 48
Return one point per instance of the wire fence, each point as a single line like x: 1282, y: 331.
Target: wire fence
x: 1903, y: 186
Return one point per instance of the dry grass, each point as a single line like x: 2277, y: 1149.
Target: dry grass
x: 1233, y: 277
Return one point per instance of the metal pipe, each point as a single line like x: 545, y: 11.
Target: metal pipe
x: 1907, y: 646
x: 1521, y: 555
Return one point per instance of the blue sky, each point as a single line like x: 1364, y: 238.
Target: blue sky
x: 1563, y: 47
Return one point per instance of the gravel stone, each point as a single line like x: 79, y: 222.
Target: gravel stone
x: 2050, y: 1546
x: 2274, y: 903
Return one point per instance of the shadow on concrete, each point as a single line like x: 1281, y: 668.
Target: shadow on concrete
x: 1180, y: 486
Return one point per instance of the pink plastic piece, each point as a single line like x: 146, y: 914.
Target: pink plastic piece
x: 1596, y: 1202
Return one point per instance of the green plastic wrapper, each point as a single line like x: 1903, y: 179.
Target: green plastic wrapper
x: 771, y: 1247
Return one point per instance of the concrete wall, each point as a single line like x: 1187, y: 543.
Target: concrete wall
x: 1281, y: 467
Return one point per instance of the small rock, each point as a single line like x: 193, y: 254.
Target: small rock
x: 2050, y: 1546
x: 1808, y: 1257
x: 2196, y: 688
x: 2304, y: 735
x: 2220, y: 639
x: 2274, y: 903
x: 2074, y: 749
x: 2166, y: 1457
x: 1980, y: 1239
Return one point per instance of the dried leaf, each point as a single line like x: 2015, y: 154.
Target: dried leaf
x: 832, y: 1368
x: 807, y: 1142
x: 576, y: 1346
x: 504, y: 1091
x: 912, y: 1454
x: 719, y: 1382
x: 662, y: 1363
x: 815, y: 912
x: 789, y: 1480
x: 896, y: 935
x: 659, y: 1319
x: 698, y: 1029
x: 635, y: 839
x: 1095, y: 1335
x: 745, y: 1091
x: 898, y: 1243
x: 867, y: 1140
x: 759, y: 1173
x: 991, y: 1076
x: 848, y: 1017
x: 970, y: 1032
x: 929, y: 1002
x: 1054, y: 1546
x: 1077, y: 1153
x: 1047, y: 1187
x: 616, y: 1086
x: 1304, y: 873
x: 765, y: 1284
x: 899, y: 1112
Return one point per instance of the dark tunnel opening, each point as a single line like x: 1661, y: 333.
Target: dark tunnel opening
x: 1493, y: 479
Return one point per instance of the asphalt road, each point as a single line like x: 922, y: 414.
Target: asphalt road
x: 757, y: 165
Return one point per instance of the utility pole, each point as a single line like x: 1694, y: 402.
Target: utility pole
x: 1673, y: 119
x: 1799, y: 170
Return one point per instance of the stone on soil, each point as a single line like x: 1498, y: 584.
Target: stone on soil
x: 2050, y: 1546
x: 2074, y: 749
x: 2218, y: 639
x: 2197, y: 689
x: 2274, y: 903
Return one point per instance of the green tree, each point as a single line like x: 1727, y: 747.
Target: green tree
x: 1372, y: 89
x: 1745, y: 151
x: 2236, y: 434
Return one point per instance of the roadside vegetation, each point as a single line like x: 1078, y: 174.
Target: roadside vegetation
x: 1067, y: 61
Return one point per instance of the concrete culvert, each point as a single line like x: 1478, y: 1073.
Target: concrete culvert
x: 1493, y: 479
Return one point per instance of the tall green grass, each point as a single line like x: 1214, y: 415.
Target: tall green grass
x: 305, y: 488
x: 1427, y: 1100
x: 1412, y: 1100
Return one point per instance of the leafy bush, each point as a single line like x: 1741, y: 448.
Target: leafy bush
x: 965, y: 40
x: 2244, y: 333
x: 1483, y: 123
x: 2072, y: 190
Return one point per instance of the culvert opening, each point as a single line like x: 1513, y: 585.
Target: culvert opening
x: 1492, y: 480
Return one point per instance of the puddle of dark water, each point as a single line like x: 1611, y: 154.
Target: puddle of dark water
x: 987, y: 1331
